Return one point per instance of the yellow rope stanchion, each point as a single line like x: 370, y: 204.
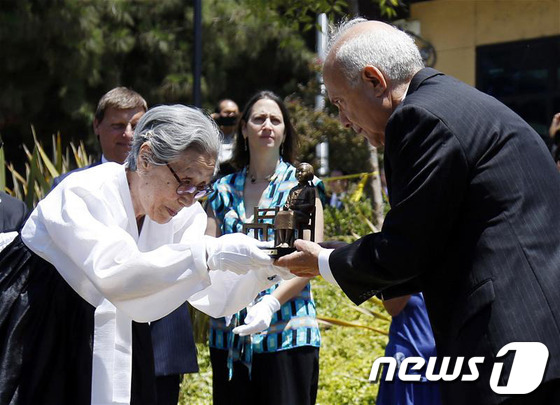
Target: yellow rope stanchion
x: 360, y: 188
x: 348, y: 176
x: 357, y: 194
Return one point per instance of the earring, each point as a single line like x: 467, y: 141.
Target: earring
x: 281, y: 148
x: 246, y: 144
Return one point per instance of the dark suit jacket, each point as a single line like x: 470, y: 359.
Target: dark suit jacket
x: 474, y: 224
x: 13, y: 213
x: 172, y: 336
x: 174, y: 348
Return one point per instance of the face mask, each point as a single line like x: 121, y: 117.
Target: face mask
x: 226, y: 121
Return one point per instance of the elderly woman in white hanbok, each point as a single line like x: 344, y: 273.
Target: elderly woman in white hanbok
x: 111, y: 248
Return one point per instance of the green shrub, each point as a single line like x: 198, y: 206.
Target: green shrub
x: 196, y: 389
x: 345, y: 359
x: 346, y: 353
x: 350, y: 222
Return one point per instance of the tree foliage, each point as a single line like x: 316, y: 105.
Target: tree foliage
x: 347, y: 151
x: 301, y: 15
x: 60, y: 56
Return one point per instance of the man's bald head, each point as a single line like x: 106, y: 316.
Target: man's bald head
x: 367, y: 71
x: 359, y: 43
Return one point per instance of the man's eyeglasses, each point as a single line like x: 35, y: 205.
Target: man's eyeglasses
x: 185, y: 188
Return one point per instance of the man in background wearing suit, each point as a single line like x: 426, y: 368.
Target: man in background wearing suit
x: 338, y: 189
x: 117, y: 114
x: 474, y: 220
x: 13, y: 213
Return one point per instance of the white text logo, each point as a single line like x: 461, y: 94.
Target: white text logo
x: 526, y: 373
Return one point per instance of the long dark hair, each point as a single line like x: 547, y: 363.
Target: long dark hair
x: 241, y: 155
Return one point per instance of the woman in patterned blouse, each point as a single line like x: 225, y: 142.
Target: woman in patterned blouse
x: 269, y: 352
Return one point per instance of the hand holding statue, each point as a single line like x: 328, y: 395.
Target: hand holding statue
x: 304, y: 262
x: 236, y: 252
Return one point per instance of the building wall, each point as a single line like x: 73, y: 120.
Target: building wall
x: 456, y: 27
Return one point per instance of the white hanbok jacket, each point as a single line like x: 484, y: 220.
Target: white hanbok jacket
x: 86, y: 228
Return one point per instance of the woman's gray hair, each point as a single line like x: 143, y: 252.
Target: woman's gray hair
x: 172, y: 129
x: 391, y: 50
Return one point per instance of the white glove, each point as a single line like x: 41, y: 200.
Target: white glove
x: 235, y: 252
x: 275, y: 273
x: 258, y: 316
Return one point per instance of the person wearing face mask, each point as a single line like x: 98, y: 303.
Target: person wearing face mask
x: 226, y: 115
x: 269, y: 352
x: 116, y: 244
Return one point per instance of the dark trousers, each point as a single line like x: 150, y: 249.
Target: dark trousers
x: 168, y: 389
x: 143, y: 390
x: 285, y: 377
x: 547, y: 394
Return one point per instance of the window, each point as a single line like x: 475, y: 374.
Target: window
x: 524, y: 75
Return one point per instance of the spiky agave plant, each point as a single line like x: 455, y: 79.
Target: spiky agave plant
x: 40, y: 169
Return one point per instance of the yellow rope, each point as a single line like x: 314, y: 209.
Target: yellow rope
x: 357, y: 194
x: 348, y: 176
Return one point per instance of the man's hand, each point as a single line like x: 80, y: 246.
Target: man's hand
x: 304, y: 262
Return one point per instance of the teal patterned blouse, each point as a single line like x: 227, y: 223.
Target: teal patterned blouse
x: 295, y: 324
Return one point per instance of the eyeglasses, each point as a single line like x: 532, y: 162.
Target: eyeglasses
x: 185, y: 188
